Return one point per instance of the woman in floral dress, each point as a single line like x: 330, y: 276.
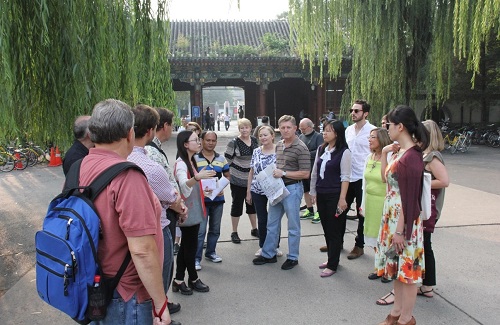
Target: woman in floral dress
x: 401, y: 228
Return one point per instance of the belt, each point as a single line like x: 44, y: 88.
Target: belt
x: 292, y: 182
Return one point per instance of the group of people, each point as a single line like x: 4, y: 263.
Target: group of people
x: 379, y: 168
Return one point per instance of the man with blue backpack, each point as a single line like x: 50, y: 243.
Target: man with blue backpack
x: 129, y: 214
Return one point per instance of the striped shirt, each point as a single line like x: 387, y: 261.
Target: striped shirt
x: 239, y: 155
x: 292, y: 158
x: 157, y: 179
x: 218, y: 164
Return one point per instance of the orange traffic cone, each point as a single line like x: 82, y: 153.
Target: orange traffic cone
x: 58, y: 157
x: 19, y: 163
x: 54, y: 161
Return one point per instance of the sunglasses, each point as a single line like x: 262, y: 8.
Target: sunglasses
x: 356, y: 111
x: 387, y: 124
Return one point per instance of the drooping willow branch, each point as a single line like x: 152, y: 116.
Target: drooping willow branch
x: 59, y: 58
x: 399, y: 50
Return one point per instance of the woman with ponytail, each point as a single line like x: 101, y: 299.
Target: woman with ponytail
x: 400, y: 247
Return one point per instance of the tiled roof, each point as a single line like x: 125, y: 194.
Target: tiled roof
x: 206, y: 39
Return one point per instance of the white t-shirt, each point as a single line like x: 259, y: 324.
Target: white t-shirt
x: 360, y: 148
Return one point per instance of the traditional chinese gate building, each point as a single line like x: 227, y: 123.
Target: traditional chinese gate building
x: 232, y: 53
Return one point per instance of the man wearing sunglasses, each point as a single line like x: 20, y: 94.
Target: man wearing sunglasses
x: 357, y: 140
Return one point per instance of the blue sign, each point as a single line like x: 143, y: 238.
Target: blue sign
x: 196, y: 111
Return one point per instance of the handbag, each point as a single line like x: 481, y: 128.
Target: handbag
x: 425, y: 201
x: 195, y: 204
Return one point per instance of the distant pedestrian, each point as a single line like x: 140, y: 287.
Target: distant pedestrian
x: 226, y: 121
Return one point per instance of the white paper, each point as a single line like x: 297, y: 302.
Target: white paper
x: 209, y: 184
x: 219, y: 187
x: 273, y: 188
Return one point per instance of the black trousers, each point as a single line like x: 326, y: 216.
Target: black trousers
x: 172, y: 217
x: 187, y: 253
x: 430, y: 262
x: 333, y: 227
x: 355, y: 191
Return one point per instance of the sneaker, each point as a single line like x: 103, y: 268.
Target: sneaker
x: 176, y: 248
x: 289, y: 264
x: 261, y: 260
x: 307, y: 215
x: 302, y: 208
x: 255, y: 232
x: 235, y: 238
x: 279, y: 253
x: 197, y: 265
x: 355, y: 253
x: 316, y: 218
x: 214, y: 258
x: 259, y: 252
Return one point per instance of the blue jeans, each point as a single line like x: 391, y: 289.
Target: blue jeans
x: 168, y: 258
x: 290, y: 205
x: 260, y: 204
x: 130, y: 312
x: 213, y: 219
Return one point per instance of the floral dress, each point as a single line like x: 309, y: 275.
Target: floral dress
x: 409, y: 266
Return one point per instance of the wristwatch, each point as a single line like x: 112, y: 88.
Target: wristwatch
x: 284, y: 173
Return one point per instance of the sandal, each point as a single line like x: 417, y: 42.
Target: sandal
x: 383, y: 301
x: 427, y: 294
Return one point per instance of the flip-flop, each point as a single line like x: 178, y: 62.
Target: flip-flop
x: 420, y: 292
x: 383, y: 301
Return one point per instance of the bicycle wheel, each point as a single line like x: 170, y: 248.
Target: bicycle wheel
x: 447, y: 143
x: 32, y: 157
x: 496, y: 143
x: 21, y: 161
x: 454, y: 147
x: 467, y: 144
x: 6, y: 162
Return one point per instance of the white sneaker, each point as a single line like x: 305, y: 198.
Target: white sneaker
x: 197, y: 265
x: 258, y: 252
x: 214, y: 258
x: 279, y: 253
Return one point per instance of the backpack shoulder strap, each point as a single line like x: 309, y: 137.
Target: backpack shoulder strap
x: 103, y: 180
x: 154, y: 145
x: 73, y: 176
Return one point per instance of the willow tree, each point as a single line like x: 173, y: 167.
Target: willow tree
x: 59, y: 58
x: 398, y: 49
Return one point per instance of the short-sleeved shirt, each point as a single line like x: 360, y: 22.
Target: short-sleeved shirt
x: 360, y: 148
x: 292, y: 158
x: 218, y: 164
x: 259, y: 162
x: 238, y: 155
x: 128, y: 208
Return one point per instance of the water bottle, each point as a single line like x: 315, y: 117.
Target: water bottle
x: 97, y: 304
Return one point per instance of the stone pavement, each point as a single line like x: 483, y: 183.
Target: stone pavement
x: 466, y: 245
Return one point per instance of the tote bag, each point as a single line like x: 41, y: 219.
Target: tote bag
x: 195, y: 204
x: 425, y: 201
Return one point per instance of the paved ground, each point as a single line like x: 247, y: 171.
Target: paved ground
x: 466, y: 246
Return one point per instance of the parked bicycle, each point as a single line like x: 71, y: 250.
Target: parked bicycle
x: 11, y: 158
x: 463, y: 142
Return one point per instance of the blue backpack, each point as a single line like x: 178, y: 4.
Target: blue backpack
x: 66, y: 247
